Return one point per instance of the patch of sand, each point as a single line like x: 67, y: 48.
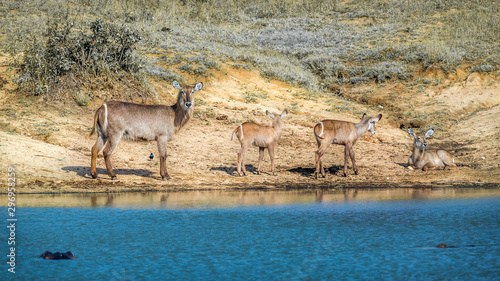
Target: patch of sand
x: 203, y: 156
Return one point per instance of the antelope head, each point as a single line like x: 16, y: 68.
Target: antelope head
x: 186, y: 94
x: 420, y: 141
x: 371, y: 122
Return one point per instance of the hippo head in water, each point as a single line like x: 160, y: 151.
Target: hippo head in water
x: 57, y: 256
x: 444, y: 246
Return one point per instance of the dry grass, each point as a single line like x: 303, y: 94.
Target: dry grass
x: 312, y: 44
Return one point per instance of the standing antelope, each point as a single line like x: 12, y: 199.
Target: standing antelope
x: 428, y: 159
x: 250, y: 133
x: 344, y: 133
x: 115, y: 120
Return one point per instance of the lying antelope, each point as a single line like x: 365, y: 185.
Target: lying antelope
x: 428, y: 159
x: 344, y: 133
x: 263, y: 137
x: 115, y: 120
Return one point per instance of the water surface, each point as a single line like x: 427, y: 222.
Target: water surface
x: 249, y: 235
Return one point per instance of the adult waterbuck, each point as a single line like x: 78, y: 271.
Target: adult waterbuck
x: 263, y: 137
x: 427, y: 159
x: 115, y: 120
x: 343, y: 133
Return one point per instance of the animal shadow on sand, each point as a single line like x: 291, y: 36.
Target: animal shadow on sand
x: 404, y: 165
x: 84, y: 172
x: 309, y: 172
x: 232, y: 170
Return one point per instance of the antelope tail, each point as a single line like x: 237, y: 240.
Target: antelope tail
x: 96, y: 121
x: 236, y: 131
x: 320, y: 135
x: 95, y: 124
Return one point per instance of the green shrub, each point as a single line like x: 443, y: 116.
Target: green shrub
x: 186, y: 68
x: 81, y: 99
x: 102, y: 49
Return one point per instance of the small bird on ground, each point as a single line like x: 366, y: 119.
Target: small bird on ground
x: 151, y: 157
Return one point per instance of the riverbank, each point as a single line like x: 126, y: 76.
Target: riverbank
x: 47, y: 141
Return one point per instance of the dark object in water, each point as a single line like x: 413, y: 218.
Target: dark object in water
x: 444, y: 246
x: 57, y: 256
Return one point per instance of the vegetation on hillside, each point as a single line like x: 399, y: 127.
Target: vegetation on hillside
x: 316, y: 44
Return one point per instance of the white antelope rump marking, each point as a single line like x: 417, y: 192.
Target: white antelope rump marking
x: 241, y: 133
x: 343, y: 133
x: 428, y: 159
x: 263, y: 137
x: 322, y: 129
x: 116, y: 120
x: 104, y: 125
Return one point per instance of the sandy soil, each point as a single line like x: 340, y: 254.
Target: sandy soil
x: 47, y: 142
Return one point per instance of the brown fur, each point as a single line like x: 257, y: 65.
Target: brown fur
x: 140, y: 122
x: 343, y: 133
x: 263, y: 137
x: 428, y: 159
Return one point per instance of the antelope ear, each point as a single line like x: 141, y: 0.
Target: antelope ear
x: 410, y: 131
x: 284, y: 113
x: 376, y: 119
x: 198, y: 87
x: 429, y: 133
x: 269, y: 114
x: 364, y: 115
x: 177, y: 85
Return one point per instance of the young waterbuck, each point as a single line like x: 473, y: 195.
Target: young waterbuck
x: 427, y: 159
x: 115, y: 120
x: 344, y: 133
x: 263, y: 137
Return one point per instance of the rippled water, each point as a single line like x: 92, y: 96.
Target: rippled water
x: 319, y: 235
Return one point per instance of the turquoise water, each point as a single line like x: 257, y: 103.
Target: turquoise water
x: 355, y: 239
